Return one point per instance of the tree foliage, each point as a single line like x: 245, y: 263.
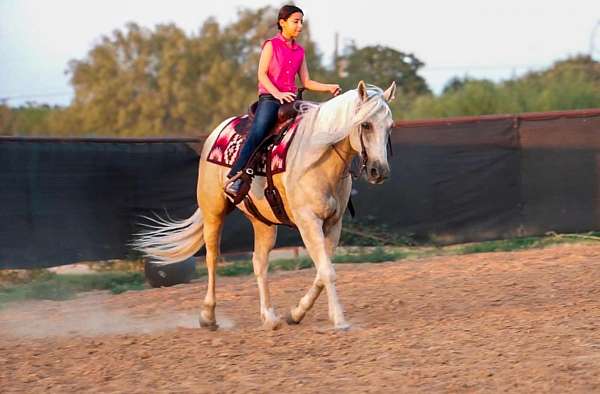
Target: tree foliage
x: 573, y: 83
x: 30, y: 119
x: 156, y: 82
x: 381, y: 65
x: 161, y: 81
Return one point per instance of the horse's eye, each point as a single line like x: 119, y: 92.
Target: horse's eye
x: 366, y: 125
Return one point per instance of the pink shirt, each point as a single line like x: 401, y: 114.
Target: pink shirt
x: 285, y: 64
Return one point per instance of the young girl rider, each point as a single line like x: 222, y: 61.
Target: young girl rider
x: 281, y: 59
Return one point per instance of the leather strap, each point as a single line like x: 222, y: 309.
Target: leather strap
x: 274, y: 198
x: 249, y: 204
x: 351, y: 207
x: 271, y: 193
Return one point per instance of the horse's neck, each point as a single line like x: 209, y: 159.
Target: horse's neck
x: 331, y: 162
x: 341, y: 157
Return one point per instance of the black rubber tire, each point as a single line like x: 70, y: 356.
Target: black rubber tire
x: 165, y: 275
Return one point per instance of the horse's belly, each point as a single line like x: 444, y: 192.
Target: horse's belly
x: 257, y: 194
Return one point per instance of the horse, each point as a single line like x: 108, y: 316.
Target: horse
x: 315, y: 189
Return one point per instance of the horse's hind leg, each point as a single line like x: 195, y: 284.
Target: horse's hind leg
x: 264, y: 241
x: 212, y: 234
x: 306, y: 302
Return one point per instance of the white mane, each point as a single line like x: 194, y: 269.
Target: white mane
x: 333, y: 120
x: 325, y: 124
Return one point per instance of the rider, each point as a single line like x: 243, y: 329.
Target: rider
x: 281, y: 59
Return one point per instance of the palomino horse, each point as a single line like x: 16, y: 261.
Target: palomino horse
x: 315, y: 189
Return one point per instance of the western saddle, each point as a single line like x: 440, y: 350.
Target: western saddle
x: 285, y: 118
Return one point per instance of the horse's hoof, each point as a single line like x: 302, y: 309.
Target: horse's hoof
x: 290, y: 320
x: 273, y: 325
x: 342, y: 327
x: 209, y: 325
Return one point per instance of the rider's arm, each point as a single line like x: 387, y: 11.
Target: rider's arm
x: 314, y: 85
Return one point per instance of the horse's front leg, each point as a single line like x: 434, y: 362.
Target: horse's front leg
x: 332, y: 237
x: 320, y: 247
x: 264, y: 241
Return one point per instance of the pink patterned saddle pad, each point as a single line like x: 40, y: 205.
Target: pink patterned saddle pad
x: 228, y: 144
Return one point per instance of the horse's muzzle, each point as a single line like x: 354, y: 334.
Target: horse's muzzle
x: 377, y: 172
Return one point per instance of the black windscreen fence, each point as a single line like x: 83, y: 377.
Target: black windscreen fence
x: 453, y: 180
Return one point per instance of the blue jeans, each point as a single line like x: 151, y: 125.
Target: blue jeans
x: 264, y: 120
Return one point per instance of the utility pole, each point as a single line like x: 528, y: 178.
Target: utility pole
x: 595, y: 40
x: 335, y: 52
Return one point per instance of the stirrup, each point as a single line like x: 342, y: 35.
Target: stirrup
x: 246, y: 179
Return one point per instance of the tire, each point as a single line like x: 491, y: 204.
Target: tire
x: 165, y: 275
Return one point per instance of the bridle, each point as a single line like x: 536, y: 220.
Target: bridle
x: 364, y: 156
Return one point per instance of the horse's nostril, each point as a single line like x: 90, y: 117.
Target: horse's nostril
x: 374, y: 172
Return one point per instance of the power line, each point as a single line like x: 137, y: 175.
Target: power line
x: 484, y: 67
x: 37, y: 95
x: 442, y: 68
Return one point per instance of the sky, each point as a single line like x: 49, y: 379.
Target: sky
x: 490, y: 39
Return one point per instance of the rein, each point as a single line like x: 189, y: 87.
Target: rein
x: 363, y: 154
x: 347, y: 166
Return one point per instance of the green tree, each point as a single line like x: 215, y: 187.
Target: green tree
x: 128, y: 83
x: 6, y: 119
x: 455, y: 84
x: 380, y: 66
x: 573, y: 83
x: 28, y: 119
x: 158, y: 82
x: 476, y: 97
x: 569, y: 84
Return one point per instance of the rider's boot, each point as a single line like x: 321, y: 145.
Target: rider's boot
x: 233, y: 188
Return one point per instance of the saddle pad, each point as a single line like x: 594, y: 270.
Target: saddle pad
x: 228, y: 144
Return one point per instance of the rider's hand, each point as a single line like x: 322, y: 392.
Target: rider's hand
x: 334, y: 89
x: 285, y: 97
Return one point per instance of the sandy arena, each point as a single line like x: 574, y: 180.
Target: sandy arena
x: 519, y: 322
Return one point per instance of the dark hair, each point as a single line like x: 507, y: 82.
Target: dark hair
x: 285, y: 12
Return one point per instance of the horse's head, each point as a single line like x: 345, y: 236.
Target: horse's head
x: 374, y: 124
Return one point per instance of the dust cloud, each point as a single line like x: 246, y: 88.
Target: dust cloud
x: 89, y: 316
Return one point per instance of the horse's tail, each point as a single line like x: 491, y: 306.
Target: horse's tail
x: 168, y: 241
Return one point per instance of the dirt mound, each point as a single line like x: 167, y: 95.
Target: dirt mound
x: 522, y: 321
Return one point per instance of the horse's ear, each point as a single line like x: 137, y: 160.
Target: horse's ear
x: 362, y: 91
x: 390, y: 93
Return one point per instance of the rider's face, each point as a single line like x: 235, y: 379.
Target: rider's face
x: 292, y: 26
